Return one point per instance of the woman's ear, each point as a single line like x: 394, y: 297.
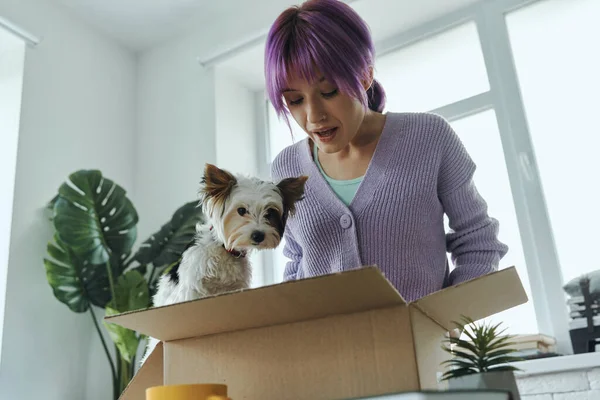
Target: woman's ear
x: 368, y: 79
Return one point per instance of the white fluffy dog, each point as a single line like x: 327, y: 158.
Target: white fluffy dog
x: 243, y: 214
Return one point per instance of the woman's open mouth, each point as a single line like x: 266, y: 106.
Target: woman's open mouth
x: 326, y: 135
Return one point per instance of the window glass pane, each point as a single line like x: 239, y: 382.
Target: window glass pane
x: 434, y: 72
x: 279, y: 136
x: 554, y: 45
x: 479, y: 134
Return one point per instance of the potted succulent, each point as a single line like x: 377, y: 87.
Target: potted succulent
x: 482, y: 360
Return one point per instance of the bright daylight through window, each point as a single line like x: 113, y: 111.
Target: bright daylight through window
x: 434, y: 72
x: 479, y: 133
x: 12, y: 58
x: 559, y: 76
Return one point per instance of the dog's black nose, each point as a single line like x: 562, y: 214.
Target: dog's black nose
x: 257, y: 236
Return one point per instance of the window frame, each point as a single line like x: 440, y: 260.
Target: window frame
x: 504, y: 97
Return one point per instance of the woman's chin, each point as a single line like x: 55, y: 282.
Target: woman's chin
x: 329, y: 146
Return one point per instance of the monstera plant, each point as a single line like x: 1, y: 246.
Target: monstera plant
x: 91, y: 260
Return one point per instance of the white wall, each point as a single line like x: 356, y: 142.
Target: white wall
x: 177, y: 114
x: 77, y: 112
x: 149, y: 125
x: 236, y: 143
x: 175, y: 132
x: 187, y: 116
x: 236, y: 138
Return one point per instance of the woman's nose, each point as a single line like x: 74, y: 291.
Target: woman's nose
x: 316, y: 112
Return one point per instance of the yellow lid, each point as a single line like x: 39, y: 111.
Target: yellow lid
x: 201, y: 391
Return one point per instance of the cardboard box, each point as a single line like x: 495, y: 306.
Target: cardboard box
x: 338, y: 336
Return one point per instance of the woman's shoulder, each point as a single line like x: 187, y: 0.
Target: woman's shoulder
x: 419, y: 121
x: 437, y: 144
x: 427, y: 126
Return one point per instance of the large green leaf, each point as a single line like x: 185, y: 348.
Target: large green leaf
x: 50, y: 207
x: 94, y: 217
x: 165, y: 246
x: 131, y: 293
x: 75, y: 282
x: 125, y: 339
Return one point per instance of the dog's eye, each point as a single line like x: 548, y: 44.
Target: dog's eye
x: 271, y: 213
x: 242, y: 211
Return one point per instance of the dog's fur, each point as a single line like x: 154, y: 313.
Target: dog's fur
x: 243, y: 214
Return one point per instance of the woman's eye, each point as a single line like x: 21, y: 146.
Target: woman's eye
x: 296, y: 102
x: 330, y: 94
x: 242, y: 211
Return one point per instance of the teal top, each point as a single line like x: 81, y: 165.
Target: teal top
x: 344, y: 189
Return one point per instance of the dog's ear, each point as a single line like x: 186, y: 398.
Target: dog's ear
x: 292, y: 191
x: 217, y: 184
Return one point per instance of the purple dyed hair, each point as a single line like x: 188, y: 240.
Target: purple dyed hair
x: 328, y: 35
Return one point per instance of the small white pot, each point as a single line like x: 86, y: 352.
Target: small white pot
x: 499, y: 380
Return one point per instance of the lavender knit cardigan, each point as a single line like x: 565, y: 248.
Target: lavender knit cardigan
x: 419, y: 171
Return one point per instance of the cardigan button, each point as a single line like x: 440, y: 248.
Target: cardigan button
x: 346, y: 221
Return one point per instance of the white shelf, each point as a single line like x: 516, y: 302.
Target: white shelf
x: 558, y: 364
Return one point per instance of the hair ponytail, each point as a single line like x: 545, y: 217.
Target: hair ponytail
x: 376, y: 96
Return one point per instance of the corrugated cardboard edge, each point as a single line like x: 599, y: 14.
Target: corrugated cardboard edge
x: 261, y: 288
x: 373, y: 274
x: 516, y: 296
x: 150, y: 374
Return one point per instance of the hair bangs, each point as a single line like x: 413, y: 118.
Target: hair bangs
x: 324, y: 38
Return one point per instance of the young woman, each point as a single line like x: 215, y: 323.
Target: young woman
x: 379, y: 184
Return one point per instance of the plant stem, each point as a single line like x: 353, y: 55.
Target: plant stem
x: 125, y: 374
x: 111, y: 282
x: 119, y: 372
x: 113, y: 302
x: 151, y: 280
x: 110, y: 361
x: 132, y: 366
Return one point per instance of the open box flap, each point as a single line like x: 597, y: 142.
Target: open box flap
x: 150, y: 374
x: 478, y: 298
x: 352, y: 291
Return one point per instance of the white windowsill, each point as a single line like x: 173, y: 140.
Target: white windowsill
x: 558, y: 364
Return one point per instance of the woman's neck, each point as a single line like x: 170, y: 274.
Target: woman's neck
x: 366, y: 138
x: 353, y: 160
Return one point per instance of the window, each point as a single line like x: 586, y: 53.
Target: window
x: 558, y: 71
x: 479, y: 134
x: 443, y: 70
x: 434, y: 72
x: 12, y: 58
